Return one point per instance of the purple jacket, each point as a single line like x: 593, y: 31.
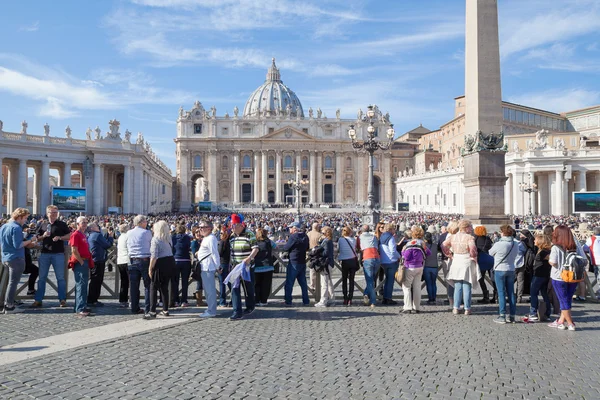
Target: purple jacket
x: 414, y: 253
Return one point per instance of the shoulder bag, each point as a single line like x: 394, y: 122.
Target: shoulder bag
x: 357, y: 267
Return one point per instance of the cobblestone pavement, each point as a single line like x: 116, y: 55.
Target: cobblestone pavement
x: 309, y: 353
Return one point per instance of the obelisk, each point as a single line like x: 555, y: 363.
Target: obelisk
x: 484, y: 173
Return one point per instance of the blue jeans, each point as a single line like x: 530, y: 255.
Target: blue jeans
x: 388, y: 287
x: 370, y: 269
x: 138, y: 270
x: 182, y: 272
x: 462, y: 293
x: 236, y: 295
x: 222, y: 287
x: 505, y: 285
x: 81, y: 274
x: 430, y: 274
x: 296, y: 272
x: 539, y: 284
x: 58, y: 264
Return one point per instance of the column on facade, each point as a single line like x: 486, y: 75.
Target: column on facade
x: 517, y: 194
x: 387, y: 182
x: 361, y: 181
x: 97, y: 188
x: 257, y: 177
x: 214, y: 176
x: 65, y: 179
x: 35, y: 188
x: 319, y: 177
x: 278, y: 177
x: 581, y: 181
x: 22, y: 185
x: 10, y: 189
x: 126, y: 189
x: 312, y: 178
x: 532, y: 198
x: 558, y: 193
x: 339, y: 178
x: 44, y: 194
x: 542, y: 195
x: 138, y: 189
x: 236, y: 176
x: 265, y: 194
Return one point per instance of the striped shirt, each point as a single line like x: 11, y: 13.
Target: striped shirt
x: 241, y: 246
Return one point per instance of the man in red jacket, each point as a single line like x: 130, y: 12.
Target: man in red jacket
x: 80, y: 262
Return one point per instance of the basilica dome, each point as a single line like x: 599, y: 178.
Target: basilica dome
x: 273, y: 98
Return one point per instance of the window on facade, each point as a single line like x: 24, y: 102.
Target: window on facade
x: 197, y: 161
x: 328, y: 176
x: 573, y: 142
x: 454, y: 199
x: 512, y: 115
x: 224, y: 162
x: 304, y: 163
x: 271, y: 163
x: 287, y: 162
x: 328, y: 132
x: 444, y: 199
x: 554, y: 124
x: 247, y: 131
x: 420, y: 200
x: 305, y: 130
x: 531, y: 119
x: 348, y: 163
x: 505, y: 113
x: 246, y: 162
x: 197, y: 129
x: 328, y: 162
x: 520, y: 117
x: 376, y: 163
x: 224, y: 131
x: 427, y: 199
x: 164, y: 189
x: 271, y: 176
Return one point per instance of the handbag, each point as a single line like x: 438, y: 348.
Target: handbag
x: 355, y: 256
x: 485, y: 261
x: 197, y: 269
x: 399, y: 275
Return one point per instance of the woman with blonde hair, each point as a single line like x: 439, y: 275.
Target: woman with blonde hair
x: 327, y: 295
x: 464, y: 274
x: 347, y: 254
x: 162, y: 265
x: 414, y: 253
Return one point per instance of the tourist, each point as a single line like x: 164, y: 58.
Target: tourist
x: 210, y: 262
x: 327, y: 291
x: 505, y: 252
x: 368, y: 244
x: 314, y: 238
x: 524, y: 262
x: 540, y: 278
x: 594, y: 246
x: 243, y: 250
x: 430, y: 268
x: 484, y: 244
x: 379, y: 230
x: 161, y: 268
x: 464, y: 274
x: 389, y: 260
x: 183, y: 267
x: 138, y: 248
x: 225, y: 255
x: 13, y: 254
x: 195, y: 246
x: 414, y: 254
x: 451, y: 229
x: 122, y: 263
x: 98, y: 246
x: 263, y: 267
x: 53, y: 234
x: 349, y: 261
x: 562, y: 242
x: 297, y: 246
x: 30, y: 268
x: 80, y: 262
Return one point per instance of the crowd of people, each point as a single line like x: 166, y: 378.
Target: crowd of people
x: 163, y: 251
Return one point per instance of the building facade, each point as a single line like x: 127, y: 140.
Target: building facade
x: 116, y: 171
x: 248, y: 157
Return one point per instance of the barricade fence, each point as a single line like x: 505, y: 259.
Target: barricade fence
x: 111, y: 284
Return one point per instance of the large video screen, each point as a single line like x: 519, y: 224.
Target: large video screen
x: 205, y: 206
x: 402, y: 207
x: 586, y: 202
x: 69, y: 199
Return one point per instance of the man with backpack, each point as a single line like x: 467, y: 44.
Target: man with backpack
x: 524, y: 263
x: 389, y: 261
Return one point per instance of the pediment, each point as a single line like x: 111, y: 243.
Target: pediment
x: 288, y: 133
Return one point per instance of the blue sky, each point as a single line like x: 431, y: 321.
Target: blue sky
x: 83, y: 63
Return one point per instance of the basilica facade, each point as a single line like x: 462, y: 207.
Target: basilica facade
x: 249, y: 157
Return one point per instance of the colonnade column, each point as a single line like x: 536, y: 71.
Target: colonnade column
x: 44, y: 186
x: 278, y: 177
x: 127, y: 189
x: 66, y: 175
x: 256, y: 177
x: 97, y: 189
x: 236, y: 176
x: 35, y: 198
x: 319, y: 177
x: 339, y: 178
x: 582, y: 185
x: 558, y: 193
x: 265, y: 195
x: 214, y: 174
x: 11, y: 189
x: 138, y: 190
x: 312, y: 178
x: 22, y: 185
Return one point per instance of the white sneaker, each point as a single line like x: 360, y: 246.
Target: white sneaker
x: 571, y: 327
x: 207, y: 315
x: 320, y: 305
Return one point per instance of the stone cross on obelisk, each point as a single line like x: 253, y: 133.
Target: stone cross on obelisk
x: 484, y: 173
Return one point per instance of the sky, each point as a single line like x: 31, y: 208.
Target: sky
x: 83, y: 63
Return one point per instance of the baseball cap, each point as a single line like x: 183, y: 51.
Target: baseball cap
x: 295, y: 224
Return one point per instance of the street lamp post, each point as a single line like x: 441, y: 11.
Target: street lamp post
x: 529, y: 188
x: 297, y: 185
x: 371, y: 146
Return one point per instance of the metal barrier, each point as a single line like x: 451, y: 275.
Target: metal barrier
x: 111, y: 282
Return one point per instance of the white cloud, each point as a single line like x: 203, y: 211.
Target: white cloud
x: 34, y: 27
x: 55, y: 108
x: 557, y: 100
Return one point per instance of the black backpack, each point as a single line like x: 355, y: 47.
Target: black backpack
x: 317, y: 260
x: 528, y: 260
